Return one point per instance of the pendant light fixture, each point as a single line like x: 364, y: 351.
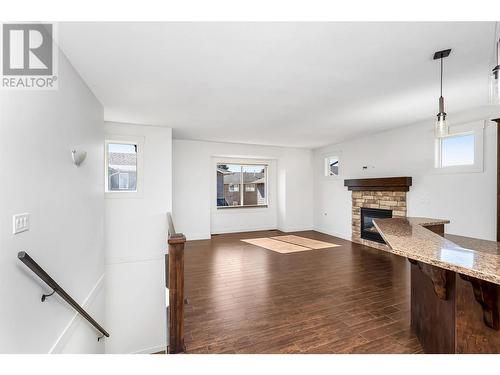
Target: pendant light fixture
x: 495, y: 78
x: 441, y: 128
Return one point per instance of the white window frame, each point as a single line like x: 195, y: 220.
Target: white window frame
x: 242, y: 190
x: 474, y: 128
x: 120, y: 139
x: 326, y: 164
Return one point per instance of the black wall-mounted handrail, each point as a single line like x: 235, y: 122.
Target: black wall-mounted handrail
x: 40, y: 272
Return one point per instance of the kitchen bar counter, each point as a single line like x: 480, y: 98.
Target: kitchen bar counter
x: 410, y: 238
x: 455, y: 285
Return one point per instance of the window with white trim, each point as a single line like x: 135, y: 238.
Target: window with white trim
x: 241, y: 185
x: 123, y: 166
x: 461, y: 150
x: 332, y: 166
x: 457, y: 150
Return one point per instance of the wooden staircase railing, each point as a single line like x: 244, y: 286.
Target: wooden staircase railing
x: 174, y: 262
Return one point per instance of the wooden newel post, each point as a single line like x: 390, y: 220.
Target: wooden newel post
x: 176, y: 290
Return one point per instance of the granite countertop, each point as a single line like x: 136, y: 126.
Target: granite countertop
x: 408, y: 237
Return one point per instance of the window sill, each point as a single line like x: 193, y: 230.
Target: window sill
x: 459, y: 169
x: 122, y: 194
x: 331, y: 178
x: 233, y: 207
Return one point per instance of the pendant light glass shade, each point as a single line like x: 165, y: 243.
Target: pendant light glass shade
x: 441, y: 128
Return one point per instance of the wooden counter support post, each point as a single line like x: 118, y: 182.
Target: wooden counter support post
x: 477, y: 314
x: 175, y: 284
x: 433, y: 307
x: 488, y: 296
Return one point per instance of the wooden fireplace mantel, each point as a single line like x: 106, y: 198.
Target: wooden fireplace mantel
x: 379, y: 184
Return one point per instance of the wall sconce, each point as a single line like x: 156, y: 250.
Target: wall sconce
x: 78, y: 157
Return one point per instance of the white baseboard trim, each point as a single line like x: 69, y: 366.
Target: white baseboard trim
x: 295, y: 229
x: 195, y: 237
x: 244, y: 230
x: 77, y: 318
x: 152, y: 350
x: 335, y: 234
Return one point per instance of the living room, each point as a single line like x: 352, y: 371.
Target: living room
x: 279, y: 186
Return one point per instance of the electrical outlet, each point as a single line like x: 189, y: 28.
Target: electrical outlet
x: 20, y: 223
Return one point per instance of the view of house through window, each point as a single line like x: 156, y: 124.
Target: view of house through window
x: 241, y: 185
x: 122, y: 167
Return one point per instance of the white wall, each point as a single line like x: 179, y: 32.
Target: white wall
x: 135, y: 242
x: 290, y: 189
x: 38, y: 130
x: 467, y: 199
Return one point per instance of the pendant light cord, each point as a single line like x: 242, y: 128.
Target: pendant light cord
x: 441, y: 76
x: 497, y: 43
x: 498, y: 52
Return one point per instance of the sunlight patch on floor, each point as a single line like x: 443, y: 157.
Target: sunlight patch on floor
x: 289, y: 243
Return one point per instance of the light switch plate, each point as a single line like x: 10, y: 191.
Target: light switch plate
x: 20, y: 223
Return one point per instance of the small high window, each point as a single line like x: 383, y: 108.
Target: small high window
x: 462, y: 150
x: 331, y: 166
x: 457, y: 150
x: 123, y: 161
x: 122, y: 167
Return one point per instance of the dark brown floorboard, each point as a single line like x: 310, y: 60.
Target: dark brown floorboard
x: 246, y: 299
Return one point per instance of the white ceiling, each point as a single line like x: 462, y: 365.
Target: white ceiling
x: 287, y: 84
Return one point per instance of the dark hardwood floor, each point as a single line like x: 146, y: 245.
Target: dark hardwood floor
x: 246, y: 299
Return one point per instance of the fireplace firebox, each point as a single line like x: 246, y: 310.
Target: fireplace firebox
x: 368, y: 230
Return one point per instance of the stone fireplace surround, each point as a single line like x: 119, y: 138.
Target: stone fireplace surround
x: 384, y: 193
